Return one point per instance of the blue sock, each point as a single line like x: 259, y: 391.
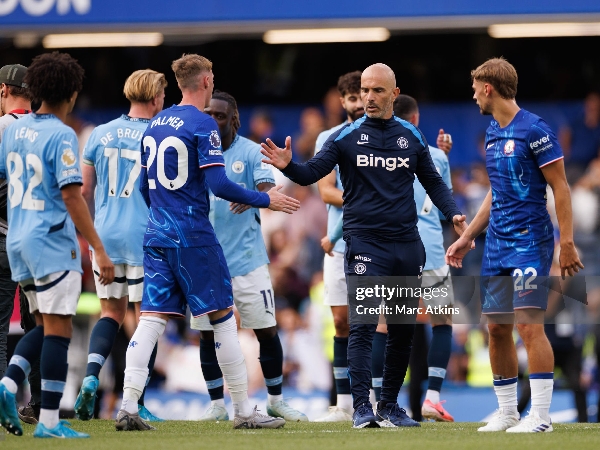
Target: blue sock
x: 150, y: 369
x: 211, y: 370
x: 439, y: 355
x: 340, y: 365
x: 54, y: 370
x: 27, y: 351
x: 101, y: 343
x: 271, y: 362
x: 377, y: 359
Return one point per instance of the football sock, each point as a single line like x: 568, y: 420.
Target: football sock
x: 232, y: 363
x: 211, y: 370
x: 271, y: 362
x: 53, y: 364
x: 27, y: 350
x: 437, y: 360
x: 101, y: 343
x: 542, y: 384
x: 397, y: 354
x: 377, y: 360
x: 340, y: 373
x: 150, y: 369
x: 506, y: 391
x: 140, y: 349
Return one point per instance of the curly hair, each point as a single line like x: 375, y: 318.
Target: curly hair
x: 54, y: 77
x: 349, y: 83
x: 224, y: 96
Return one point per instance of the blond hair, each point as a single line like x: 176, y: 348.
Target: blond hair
x: 500, y: 74
x: 143, y: 85
x: 188, y: 68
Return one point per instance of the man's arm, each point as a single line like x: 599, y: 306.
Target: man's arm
x: 238, y: 208
x: 80, y: 214
x: 554, y: 174
x: 330, y: 194
x: 89, y: 183
x: 304, y: 174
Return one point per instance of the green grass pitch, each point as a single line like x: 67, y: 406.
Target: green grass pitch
x: 180, y: 435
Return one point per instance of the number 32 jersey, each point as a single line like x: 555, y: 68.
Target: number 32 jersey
x: 38, y: 157
x: 179, y: 142
x: 121, y: 213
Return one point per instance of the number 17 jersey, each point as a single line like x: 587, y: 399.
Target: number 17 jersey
x: 121, y: 214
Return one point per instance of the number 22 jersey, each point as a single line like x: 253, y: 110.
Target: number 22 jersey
x: 38, y: 157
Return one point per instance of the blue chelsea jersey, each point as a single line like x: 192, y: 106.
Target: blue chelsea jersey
x: 121, y: 213
x: 38, y: 157
x: 240, y: 235
x: 333, y: 213
x: 429, y: 225
x: 179, y: 142
x: 514, y: 156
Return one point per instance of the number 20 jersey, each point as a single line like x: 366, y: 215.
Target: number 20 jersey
x: 38, y: 157
x: 179, y: 142
x: 121, y: 213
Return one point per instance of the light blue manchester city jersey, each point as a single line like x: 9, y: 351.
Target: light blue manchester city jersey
x: 114, y: 149
x: 333, y: 213
x: 38, y: 156
x: 429, y: 225
x: 239, y: 234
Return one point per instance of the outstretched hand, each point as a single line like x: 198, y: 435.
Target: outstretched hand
x: 278, y: 157
x: 444, y: 141
x: 460, y: 224
x: 281, y: 202
x: 457, y: 251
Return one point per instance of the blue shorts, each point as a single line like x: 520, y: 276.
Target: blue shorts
x: 514, y: 275
x: 197, y: 277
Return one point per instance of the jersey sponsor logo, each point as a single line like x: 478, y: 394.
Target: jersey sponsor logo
x: 68, y: 157
x: 362, y: 258
x: 360, y: 268
x: 238, y: 166
x: 540, y: 141
x: 215, y: 152
x: 509, y: 147
x: 389, y: 164
x: 364, y: 139
x: 402, y: 142
x: 214, y: 139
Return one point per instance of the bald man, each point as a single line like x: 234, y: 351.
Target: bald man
x: 378, y: 156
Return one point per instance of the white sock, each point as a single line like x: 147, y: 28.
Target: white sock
x: 131, y: 397
x: 10, y: 385
x: 232, y: 364
x: 506, y: 391
x: 272, y: 399
x: 345, y: 401
x: 541, y: 394
x: 432, y: 396
x: 49, y: 417
x: 218, y: 402
x: 138, y: 355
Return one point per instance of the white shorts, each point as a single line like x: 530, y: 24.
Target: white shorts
x: 57, y: 293
x: 441, y: 279
x: 253, y: 298
x: 334, y: 279
x: 129, y: 280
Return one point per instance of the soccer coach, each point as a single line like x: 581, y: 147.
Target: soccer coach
x: 378, y: 156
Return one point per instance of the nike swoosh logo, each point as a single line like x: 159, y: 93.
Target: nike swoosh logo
x: 362, y: 142
x: 490, y: 145
x: 524, y: 293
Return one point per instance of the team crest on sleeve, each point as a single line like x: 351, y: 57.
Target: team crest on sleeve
x: 360, y: 268
x: 68, y: 157
x: 402, y: 142
x: 509, y: 147
x: 237, y: 167
x: 214, y: 139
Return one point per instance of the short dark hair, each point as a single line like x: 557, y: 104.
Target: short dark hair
x: 224, y: 96
x: 54, y: 77
x: 405, y: 106
x: 349, y: 83
x: 500, y: 74
x: 22, y: 92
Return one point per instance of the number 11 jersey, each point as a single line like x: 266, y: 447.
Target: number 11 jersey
x: 178, y: 143
x: 121, y: 214
x: 38, y: 157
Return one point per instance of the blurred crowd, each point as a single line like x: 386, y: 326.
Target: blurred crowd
x: 305, y: 324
